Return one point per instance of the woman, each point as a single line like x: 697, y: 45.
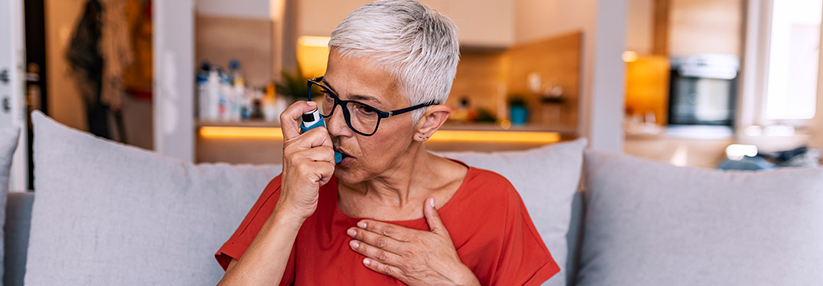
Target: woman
x: 390, y: 212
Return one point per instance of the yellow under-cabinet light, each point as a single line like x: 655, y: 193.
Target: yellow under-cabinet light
x: 241, y: 132
x: 439, y: 136
x: 495, y: 136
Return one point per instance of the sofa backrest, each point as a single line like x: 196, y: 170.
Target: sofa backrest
x: 18, y: 223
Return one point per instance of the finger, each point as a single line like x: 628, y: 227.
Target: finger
x: 396, y: 232
x: 289, y: 117
x: 320, y: 172
x: 316, y: 154
x: 376, y: 240
x: 385, y: 269
x: 326, y: 170
x: 376, y: 254
x: 316, y: 137
x: 433, y: 217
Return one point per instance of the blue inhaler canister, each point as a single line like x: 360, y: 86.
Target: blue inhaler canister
x: 313, y: 119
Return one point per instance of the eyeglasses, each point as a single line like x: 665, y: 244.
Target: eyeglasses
x: 360, y: 117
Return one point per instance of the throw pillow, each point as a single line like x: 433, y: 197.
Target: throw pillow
x: 8, y: 143
x: 650, y: 223
x: 110, y: 214
x: 546, y: 179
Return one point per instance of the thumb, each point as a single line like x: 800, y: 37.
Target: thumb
x: 433, y: 218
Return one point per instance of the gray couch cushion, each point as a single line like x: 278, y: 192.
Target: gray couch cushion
x: 8, y: 143
x: 650, y: 223
x: 109, y: 214
x: 546, y: 179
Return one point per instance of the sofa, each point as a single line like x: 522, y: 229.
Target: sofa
x: 108, y: 214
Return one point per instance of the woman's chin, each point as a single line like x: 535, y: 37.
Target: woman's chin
x: 345, y: 175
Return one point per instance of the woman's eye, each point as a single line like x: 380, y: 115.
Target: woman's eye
x: 364, y: 109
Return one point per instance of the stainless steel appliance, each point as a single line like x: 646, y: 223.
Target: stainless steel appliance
x: 702, y: 90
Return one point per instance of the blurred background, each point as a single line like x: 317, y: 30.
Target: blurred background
x: 729, y: 84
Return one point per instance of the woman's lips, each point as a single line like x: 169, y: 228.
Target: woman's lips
x: 345, y: 162
x: 347, y: 159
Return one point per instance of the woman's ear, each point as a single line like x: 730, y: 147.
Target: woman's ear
x: 430, y: 121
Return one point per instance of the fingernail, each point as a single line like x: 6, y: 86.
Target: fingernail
x: 351, y: 232
x: 354, y: 244
x: 431, y: 202
x: 361, y: 224
x: 366, y: 261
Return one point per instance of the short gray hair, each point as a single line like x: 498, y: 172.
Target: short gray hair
x: 414, y: 43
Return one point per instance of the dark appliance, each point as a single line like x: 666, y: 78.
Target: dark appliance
x: 702, y: 90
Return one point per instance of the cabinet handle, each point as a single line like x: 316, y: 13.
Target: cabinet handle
x: 6, y: 104
x: 4, y: 76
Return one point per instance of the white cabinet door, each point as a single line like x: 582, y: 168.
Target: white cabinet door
x: 12, y: 98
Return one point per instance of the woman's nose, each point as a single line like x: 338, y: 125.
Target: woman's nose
x: 336, y: 123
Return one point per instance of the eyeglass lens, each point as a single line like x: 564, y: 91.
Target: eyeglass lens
x: 360, y: 117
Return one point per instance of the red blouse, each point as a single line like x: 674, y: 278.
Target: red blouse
x: 488, y: 223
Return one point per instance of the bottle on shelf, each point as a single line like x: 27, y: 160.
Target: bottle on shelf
x: 203, y: 92
x: 213, y: 87
x: 226, y: 97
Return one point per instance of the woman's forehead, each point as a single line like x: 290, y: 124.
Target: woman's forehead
x: 354, y: 78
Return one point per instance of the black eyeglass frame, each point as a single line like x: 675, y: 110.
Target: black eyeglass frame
x: 318, y: 81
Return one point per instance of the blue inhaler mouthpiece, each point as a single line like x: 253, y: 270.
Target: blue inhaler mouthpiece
x: 313, y: 119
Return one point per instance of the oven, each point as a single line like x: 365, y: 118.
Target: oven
x: 702, y: 90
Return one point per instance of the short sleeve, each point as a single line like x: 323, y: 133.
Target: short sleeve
x: 524, y: 259
x: 251, y: 225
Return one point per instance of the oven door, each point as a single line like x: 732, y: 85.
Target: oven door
x: 701, y: 101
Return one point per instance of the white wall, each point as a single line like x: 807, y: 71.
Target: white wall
x: 817, y: 121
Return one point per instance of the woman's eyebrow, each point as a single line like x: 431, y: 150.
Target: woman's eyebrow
x: 354, y: 96
x: 365, y: 98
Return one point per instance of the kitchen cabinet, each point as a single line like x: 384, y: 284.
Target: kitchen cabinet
x: 481, y: 23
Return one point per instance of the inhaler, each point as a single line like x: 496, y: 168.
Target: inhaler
x: 313, y: 119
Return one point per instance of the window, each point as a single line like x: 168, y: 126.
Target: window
x: 793, y: 52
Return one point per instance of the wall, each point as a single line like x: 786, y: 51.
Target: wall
x: 705, y: 26
x: 252, y: 9
x: 538, y: 19
x: 639, y: 26
x: 65, y: 104
x: 817, y: 121
x: 486, y: 23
